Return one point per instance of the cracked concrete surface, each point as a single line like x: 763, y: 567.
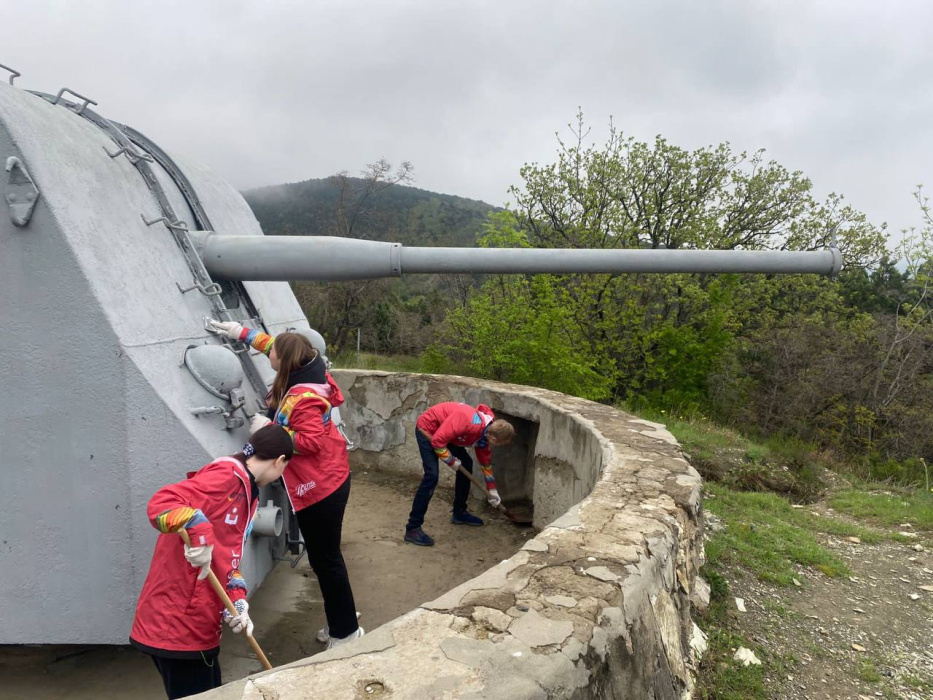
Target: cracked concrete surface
x: 595, y: 606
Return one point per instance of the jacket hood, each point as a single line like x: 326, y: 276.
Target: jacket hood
x: 313, y: 372
x: 327, y: 389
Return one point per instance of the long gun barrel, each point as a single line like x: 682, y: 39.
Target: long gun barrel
x: 328, y: 259
x: 142, y: 247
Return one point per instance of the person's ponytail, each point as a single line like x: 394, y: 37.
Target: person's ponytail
x: 269, y: 442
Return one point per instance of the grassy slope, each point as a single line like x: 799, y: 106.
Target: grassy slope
x: 768, y: 536
x: 765, y: 533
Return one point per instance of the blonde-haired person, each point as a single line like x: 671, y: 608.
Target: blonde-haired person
x: 317, y: 479
x: 443, y: 433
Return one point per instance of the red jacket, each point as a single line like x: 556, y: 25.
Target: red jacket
x: 176, y: 612
x: 452, y: 423
x: 320, y: 464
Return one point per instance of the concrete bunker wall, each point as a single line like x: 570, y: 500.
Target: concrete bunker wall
x: 554, y: 462
x: 597, y: 605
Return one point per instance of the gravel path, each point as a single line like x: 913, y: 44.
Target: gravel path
x: 866, y: 636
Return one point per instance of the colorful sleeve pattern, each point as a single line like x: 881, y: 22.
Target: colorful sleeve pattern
x: 444, y: 454
x: 283, y: 416
x: 177, y: 518
x: 482, y: 449
x: 236, y: 585
x: 260, y: 341
x: 488, y: 477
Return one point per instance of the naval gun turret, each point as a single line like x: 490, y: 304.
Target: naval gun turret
x: 112, y: 254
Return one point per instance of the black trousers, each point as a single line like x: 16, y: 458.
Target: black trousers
x: 321, y: 525
x: 431, y: 465
x: 184, y: 677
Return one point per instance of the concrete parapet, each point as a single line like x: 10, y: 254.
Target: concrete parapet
x: 595, y: 606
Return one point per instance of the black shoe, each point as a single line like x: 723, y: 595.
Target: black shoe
x: 419, y: 537
x: 465, y: 518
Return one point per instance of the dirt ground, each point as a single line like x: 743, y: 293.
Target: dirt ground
x: 867, y: 636
x: 389, y: 578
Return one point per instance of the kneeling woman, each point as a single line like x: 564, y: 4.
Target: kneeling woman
x: 318, y: 476
x: 178, y: 616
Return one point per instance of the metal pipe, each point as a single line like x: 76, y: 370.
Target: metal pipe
x: 269, y: 520
x: 326, y: 258
x: 590, y: 261
x: 208, y: 410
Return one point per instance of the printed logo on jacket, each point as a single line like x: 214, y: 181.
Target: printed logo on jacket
x: 304, y: 488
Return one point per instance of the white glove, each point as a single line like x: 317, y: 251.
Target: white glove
x: 231, y: 329
x: 200, y: 558
x: 456, y: 464
x: 493, y: 497
x: 258, y: 421
x: 241, y: 620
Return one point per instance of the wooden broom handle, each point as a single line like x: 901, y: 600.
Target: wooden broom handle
x: 479, y: 484
x: 228, y: 604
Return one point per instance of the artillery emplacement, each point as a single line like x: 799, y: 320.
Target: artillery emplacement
x: 113, y: 254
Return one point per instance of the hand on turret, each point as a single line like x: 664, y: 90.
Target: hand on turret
x: 230, y: 329
x: 258, y: 421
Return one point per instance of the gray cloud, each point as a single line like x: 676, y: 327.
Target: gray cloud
x: 283, y: 91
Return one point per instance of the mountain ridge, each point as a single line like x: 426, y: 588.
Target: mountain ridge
x: 398, y: 213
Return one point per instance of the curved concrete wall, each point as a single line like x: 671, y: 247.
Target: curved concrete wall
x: 595, y: 606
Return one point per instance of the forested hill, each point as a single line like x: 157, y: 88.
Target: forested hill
x: 406, y: 215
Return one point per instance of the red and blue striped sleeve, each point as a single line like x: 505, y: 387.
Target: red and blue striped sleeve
x: 257, y: 339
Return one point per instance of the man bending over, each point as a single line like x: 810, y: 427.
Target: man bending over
x: 443, y: 432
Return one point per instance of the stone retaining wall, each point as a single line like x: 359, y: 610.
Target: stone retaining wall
x: 597, y: 605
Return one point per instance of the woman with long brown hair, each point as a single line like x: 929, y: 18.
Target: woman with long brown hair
x: 317, y: 478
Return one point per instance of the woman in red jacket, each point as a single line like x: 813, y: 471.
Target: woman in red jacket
x: 178, y: 616
x: 318, y: 476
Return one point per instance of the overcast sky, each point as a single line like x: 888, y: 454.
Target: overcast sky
x: 271, y: 92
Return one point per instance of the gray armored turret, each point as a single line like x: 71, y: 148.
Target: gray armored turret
x: 112, y: 254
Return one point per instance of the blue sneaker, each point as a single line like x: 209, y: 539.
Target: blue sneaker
x: 465, y: 518
x: 419, y: 537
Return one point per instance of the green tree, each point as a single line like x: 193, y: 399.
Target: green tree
x: 660, y: 337
x: 518, y: 329
x: 847, y: 365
